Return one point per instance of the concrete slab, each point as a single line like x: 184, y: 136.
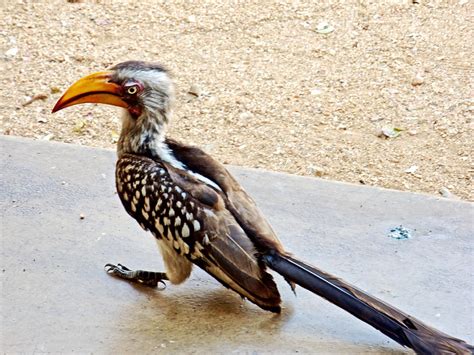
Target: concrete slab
x: 57, y: 298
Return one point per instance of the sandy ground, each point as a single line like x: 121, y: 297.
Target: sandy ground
x: 273, y: 91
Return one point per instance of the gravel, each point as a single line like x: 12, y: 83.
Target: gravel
x: 295, y: 86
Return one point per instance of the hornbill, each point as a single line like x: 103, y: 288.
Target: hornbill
x: 199, y: 214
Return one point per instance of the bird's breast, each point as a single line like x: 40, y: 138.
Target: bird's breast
x: 159, y: 205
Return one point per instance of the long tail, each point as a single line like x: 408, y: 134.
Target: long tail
x: 397, y: 325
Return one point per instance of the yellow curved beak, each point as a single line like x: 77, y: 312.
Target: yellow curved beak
x: 93, y: 88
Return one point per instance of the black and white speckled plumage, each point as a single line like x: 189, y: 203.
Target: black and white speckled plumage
x: 191, y: 224
x: 150, y: 196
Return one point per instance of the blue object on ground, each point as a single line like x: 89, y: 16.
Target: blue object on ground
x: 399, y: 232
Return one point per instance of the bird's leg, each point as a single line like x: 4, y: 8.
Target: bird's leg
x: 148, y: 278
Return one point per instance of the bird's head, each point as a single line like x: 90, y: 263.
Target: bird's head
x: 145, y: 90
x: 141, y: 88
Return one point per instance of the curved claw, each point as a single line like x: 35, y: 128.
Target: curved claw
x: 109, y: 268
x: 148, y: 278
x: 118, y: 270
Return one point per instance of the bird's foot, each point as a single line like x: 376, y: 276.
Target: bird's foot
x: 148, y: 278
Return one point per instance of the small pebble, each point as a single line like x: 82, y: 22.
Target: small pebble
x: 48, y: 137
x: 412, y: 169
x: 246, y: 115
x: 389, y: 132
x: 316, y: 170
x: 446, y: 193
x: 11, y: 52
x: 324, y: 28
x: 82, y: 216
x: 195, y: 90
x: 418, y: 80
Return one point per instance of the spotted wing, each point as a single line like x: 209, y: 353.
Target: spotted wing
x: 192, y: 219
x: 237, y: 201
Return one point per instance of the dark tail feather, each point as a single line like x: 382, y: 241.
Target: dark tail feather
x: 399, y: 326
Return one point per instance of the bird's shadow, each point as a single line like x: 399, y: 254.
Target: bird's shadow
x: 204, y: 315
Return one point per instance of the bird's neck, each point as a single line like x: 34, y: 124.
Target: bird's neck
x: 145, y: 135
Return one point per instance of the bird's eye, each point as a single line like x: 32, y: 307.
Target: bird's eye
x: 132, y: 90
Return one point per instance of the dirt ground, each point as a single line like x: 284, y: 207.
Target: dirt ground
x: 290, y: 86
